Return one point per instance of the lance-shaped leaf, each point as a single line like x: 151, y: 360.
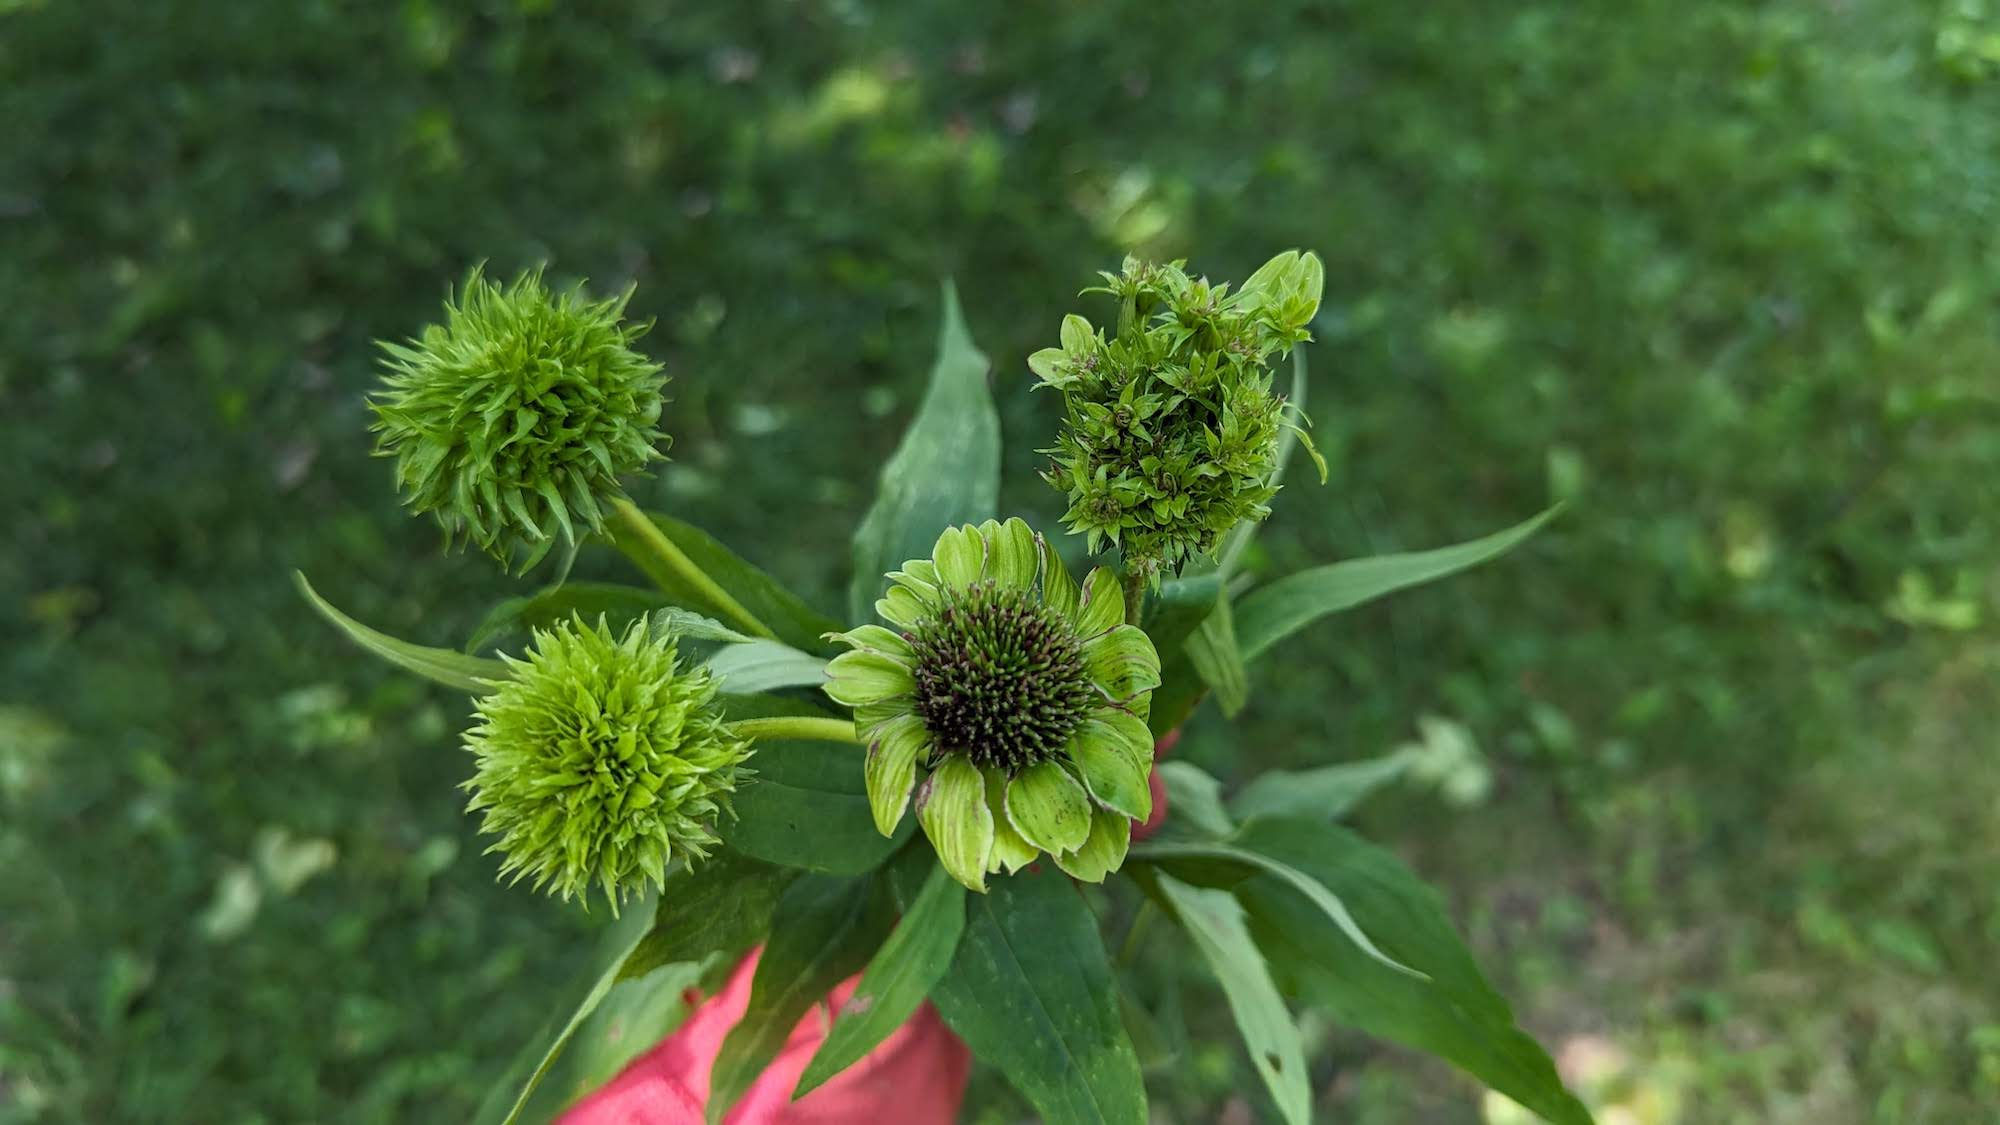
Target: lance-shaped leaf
x: 1214, y: 921
x: 617, y: 604
x: 808, y: 805
x: 1213, y: 651
x: 1031, y: 992
x: 749, y: 667
x: 713, y: 911
x: 1271, y: 613
x: 1324, y: 793
x: 898, y: 978
x: 796, y: 623
x: 824, y: 930
x: 945, y: 472
x: 439, y: 665
x: 1226, y: 863
x: 1452, y: 1012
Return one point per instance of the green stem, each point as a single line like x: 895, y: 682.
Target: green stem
x: 1135, y: 596
x: 647, y: 532
x: 803, y: 727
x: 1140, y: 922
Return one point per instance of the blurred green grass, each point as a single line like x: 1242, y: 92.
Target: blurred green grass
x: 1724, y: 273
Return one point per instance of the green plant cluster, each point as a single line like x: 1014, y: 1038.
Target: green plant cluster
x: 1172, y: 424
x: 514, y: 418
x: 601, y: 761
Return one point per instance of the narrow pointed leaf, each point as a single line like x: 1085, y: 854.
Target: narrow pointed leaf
x: 1453, y: 1013
x: 439, y: 665
x: 623, y: 939
x: 824, y: 930
x: 756, y: 666
x: 1214, y: 920
x: 898, y: 978
x: 945, y: 471
x: 716, y: 910
x: 808, y: 805
x: 1213, y: 651
x: 1226, y: 863
x: 1325, y: 793
x: 1271, y: 613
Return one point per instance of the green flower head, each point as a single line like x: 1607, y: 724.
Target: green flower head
x: 601, y: 760
x: 513, y: 420
x: 1010, y: 700
x: 1171, y: 434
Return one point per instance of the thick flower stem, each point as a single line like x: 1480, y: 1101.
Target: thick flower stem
x: 1135, y: 596
x: 795, y: 727
x: 664, y: 549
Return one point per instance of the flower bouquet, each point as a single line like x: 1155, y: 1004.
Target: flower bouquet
x: 950, y: 788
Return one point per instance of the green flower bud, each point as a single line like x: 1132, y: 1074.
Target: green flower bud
x: 512, y: 421
x: 601, y: 761
x: 1011, y: 701
x: 1171, y: 433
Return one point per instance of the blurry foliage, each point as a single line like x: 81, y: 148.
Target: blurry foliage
x: 1724, y: 273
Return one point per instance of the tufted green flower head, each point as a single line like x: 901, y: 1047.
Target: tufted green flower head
x: 601, y: 761
x: 1012, y: 701
x: 1171, y: 434
x: 513, y: 420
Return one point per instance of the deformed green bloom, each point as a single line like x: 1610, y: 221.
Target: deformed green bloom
x: 601, y: 761
x: 512, y: 421
x: 1011, y: 700
x: 1171, y: 434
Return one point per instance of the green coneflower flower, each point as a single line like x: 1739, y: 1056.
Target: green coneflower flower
x: 1172, y: 428
x: 1018, y: 698
x: 601, y: 761
x: 512, y: 421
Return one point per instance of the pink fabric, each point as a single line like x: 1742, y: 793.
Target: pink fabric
x: 915, y: 1077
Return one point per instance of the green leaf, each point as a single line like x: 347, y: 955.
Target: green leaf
x: 1271, y: 613
x: 808, y: 808
x: 620, y: 942
x: 749, y: 667
x: 795, y: 623
x: 439, y: 665
x: 1196, y: 800
x: 1225, y: 863
x: 1031, y: 992
x: 1325, y: 793
x: 917, y: 953
x: 714, y: 910
x: 1172, y: 616
x: 1213, y: 651
x: 589, y: 600
x: 823, y: 932
x: 1214, y: 920
x: 946, y: 471
x: 1454, y: 1013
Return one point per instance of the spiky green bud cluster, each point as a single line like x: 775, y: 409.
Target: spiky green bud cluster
x: 513, y: 420
x: 601, y: 761
x: 1172, y: 429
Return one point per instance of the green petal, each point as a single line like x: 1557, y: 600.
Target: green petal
x: 960, y: 555
x: 1009, y: 849
x: 1123, y: 662
x: 876, y: 639
x: 1012, y: 558
x: 1130, y: 727
x: 924, y: 571
x: 902, y: 607
x: 869, y: 718
x: 1115, y: 776
x: 865, y: 677
x: 1049, y: 808
x: 1103, y: 852
x: 1103, y: 606
x: 891, y: 769
x: 1059, y: 590
x: 951, y: 805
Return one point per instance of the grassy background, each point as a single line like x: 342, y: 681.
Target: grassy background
x: 1725, y: 273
